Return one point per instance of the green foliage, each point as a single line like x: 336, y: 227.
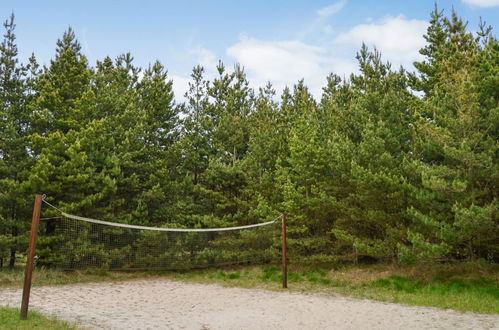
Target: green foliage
x: 455, y: 211
x: 15, y: 160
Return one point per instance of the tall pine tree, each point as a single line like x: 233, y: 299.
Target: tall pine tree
x: 15, y: 160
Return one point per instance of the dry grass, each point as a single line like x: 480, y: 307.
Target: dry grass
x: 358, y: 274
x: 421, y: 272
x: 14, y: 278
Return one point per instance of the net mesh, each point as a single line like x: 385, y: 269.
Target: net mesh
x: 74, y: 243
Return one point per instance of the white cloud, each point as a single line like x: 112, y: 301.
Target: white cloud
x: 206, y: 58
x: 332, y: 9
x: 285, y: 62
x: 482, y: 3
x: 399, y: 39
x: 280, y: 60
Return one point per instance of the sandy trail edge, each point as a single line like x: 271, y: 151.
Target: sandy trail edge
x: 166, y: 304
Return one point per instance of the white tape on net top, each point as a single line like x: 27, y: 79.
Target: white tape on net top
x: 122, y: 225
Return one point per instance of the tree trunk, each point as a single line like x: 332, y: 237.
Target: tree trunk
x: 12, y: 260
x: 13, y: 249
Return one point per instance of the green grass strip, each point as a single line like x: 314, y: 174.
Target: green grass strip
x: 9, y: 319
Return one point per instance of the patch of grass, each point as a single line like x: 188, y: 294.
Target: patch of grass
x: 317, y: 276
x: 274, y: 274
x: 221, y: 275
x: 397, y: 283
x: 480, y: 295
x: 270, y: 273
x: 9, y: 319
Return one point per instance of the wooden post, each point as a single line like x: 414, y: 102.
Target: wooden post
x: 31, y: 256
x: 284, y: 250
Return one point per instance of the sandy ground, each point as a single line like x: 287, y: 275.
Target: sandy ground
x: 166, y: 304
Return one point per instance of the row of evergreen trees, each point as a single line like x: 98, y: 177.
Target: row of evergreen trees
x: 387, y: 166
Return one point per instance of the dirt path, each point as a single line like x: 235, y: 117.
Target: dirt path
x: 166, y: 304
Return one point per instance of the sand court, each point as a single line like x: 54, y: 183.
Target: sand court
x: 166, y: 304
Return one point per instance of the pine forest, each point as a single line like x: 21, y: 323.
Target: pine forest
x: 388, y: 166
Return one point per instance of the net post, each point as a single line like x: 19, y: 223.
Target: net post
x: 31, y: 256
x: 284, y: 251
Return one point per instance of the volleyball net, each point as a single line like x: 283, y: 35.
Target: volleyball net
x: 77, y: 242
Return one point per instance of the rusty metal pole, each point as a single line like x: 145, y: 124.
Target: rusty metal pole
x: 284, y: 250
x: 28, y: 273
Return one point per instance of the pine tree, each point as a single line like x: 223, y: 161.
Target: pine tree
x: 117, y: 105
x: 14, y: 158
x: 344, y: 182
x: 197, y: 127
x: 61, y: 86
x: 304, y: 177
x: 456, y: 212
x: 233, y: 102
x: 434, y: 52
x: 75, y: 165
x: 372, y: 212
x: 158, y: 133
x: 58, y: 111
x: 219, y: 188
x: 266, y: 146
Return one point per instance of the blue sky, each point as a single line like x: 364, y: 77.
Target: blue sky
x: 278, y: 41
